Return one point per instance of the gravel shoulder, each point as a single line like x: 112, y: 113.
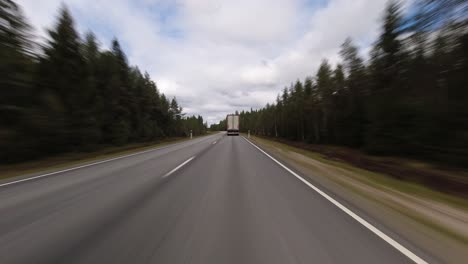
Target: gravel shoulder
x: 435, y: 222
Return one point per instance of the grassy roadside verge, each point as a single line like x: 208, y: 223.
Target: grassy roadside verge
x: 410, y: 175
x: 70, y: 159
x: 371, y: 178
x: 436, y: 176
x: 434, y: 219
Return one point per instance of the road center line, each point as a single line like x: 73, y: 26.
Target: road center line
x: 356, y: 217
x: 178, y: 167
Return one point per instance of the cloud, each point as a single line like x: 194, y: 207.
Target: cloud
x: 220, y: 56
x: 243, y: 21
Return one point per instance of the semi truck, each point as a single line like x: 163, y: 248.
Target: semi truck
x: 232, y: 124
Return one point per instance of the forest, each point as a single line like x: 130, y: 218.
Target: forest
x: 68, y: 94
x: 409, y: 98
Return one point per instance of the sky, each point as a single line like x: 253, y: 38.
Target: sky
x: 216, y: 57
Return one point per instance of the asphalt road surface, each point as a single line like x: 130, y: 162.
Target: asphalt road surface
x: 215, y: 199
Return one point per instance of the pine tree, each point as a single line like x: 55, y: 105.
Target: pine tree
x: 299, y: 102
x: 356, y: 90
x: 18, y: 105
x: 93, y: 103
x: 62, y: 75
x: 325, y: 93
x: 387, y: 117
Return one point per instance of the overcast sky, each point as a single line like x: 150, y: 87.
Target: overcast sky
x: 220, y: 56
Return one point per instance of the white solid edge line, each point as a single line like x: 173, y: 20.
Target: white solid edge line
x: 363, y: 222
x: 178, y: 167
x: 87, y: 165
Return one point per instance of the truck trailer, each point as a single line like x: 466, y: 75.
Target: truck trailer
x: 232, y: 124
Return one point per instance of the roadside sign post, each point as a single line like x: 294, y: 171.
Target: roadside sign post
x: 191, y: 134
x: 248, y: 135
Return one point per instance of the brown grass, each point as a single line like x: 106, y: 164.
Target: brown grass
x: 445, y: 179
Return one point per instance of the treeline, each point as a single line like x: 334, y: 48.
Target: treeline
x: 69, y: 94
x: 221, y: 126
x: 409, y: 99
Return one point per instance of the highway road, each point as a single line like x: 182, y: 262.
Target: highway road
x: 214, y: 199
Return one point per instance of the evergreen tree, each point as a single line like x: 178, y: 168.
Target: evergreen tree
x: 387, y: 117
x: 409, y: 99
x: 73, y: 96
x: 62, y: 76
x: 18, y: 102
x: 325, y: 94
x: 356, y: 90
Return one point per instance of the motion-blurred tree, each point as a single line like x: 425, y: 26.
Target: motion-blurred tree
x: 409, y: 99
x: 73, y: 96
x: 16, y: 85
x: 62, y: 77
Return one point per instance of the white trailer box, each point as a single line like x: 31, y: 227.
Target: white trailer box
x: 232, y: 123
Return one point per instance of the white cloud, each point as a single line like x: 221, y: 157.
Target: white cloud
x: 220, y: 56
x: 241, y: 21
x: 264, y: 74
